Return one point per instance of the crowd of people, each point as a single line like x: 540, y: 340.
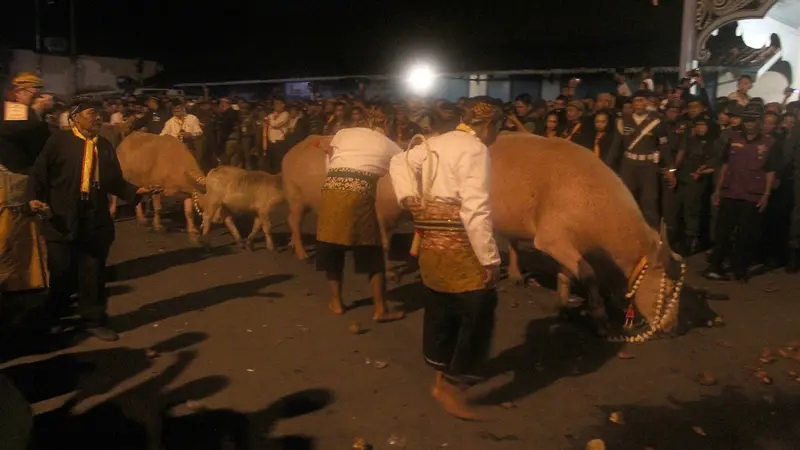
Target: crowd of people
x: 678, y: 169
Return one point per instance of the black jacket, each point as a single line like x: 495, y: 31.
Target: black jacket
x: 55, y: 179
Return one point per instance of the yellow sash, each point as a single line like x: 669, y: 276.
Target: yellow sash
x: 89, y: 154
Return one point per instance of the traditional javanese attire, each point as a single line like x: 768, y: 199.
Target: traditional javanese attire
x: 457, y: 243
x: 347, y: 218
x: 74, y: 175
x: 22, y: 249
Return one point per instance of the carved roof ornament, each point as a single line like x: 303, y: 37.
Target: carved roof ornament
x: 713, y: 14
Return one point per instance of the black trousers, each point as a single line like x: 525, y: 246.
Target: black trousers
x: 670, y: 208
x: 689, y: 207
x: 457, y: 331
x: 642, y: 179
x: 739, y: 229
x: 84, y: 261
x: 794, y: 227
x: 777, y: 219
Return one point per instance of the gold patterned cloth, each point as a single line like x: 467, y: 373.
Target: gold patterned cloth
x: 22, y: 248
x: 447, y: 262
x: 347, y: 214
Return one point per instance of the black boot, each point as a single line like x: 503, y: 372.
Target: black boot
x: 794, y: 261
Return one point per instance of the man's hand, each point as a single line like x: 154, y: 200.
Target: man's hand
x: 762, y: 204
x: 412, y: 204
x: 715, y: 198
x: 38, y: 206
x: 491, y: 275
x: 671, y: 181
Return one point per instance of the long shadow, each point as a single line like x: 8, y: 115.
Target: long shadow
x: 729, y: 421
x: 552, y: 350
x: 228, y: 429
x: 149, y: 265
x: 90, y: 373
x: 175, y: 306
x: 130, y: 420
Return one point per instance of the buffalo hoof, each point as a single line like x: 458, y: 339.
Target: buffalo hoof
x: 194, y: 238
x: 205, y: 241
x: 517, y: 280
x: 392, y: 276
x: 159, y: 229
x: 248, y: 245
x: 143, y: 223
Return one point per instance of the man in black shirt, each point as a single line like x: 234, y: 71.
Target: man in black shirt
x: 72, y: 178
x: 153, y: 120
x: 644, y: 150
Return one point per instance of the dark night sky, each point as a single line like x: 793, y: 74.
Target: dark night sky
x: 260, y: 39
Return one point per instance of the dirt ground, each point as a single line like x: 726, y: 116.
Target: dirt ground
x: 246, y: 338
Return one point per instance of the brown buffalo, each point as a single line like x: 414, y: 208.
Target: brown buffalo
x: 147, y: 160
x: 557, y: 194
x: 235, y: 190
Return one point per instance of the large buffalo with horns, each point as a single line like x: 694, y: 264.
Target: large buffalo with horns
x: 561, y: 196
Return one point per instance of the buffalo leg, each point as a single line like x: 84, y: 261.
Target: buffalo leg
x: 514, y: 273
x: 573, y: 263
x: 188, y: 214
x: 253, y: 233
x: 157, y: 226
x: 208, y: 214
x: 263, y: 217
x: 295, y: 220
x: 237, y: 237
x: 140, y: 217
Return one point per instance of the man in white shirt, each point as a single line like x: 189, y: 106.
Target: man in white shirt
x: 275, y: 129
x: 186, y: 127
x: 458, y: 256
x: 347, y: 219
x: 182, y: 125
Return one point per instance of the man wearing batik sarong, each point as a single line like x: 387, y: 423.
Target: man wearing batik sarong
x: 347, y: 219
x: 458, y: 256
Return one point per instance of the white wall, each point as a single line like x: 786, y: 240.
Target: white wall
x: 770, y: 85
x: 93, y: 71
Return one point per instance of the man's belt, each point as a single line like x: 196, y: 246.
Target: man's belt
x: 654, y: 156
x: 439, y: 225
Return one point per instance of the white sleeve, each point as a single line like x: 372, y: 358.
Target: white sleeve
x: 193, y: 125
x: 473, y: 174
x: 401, y: 168
x: 168, y: 129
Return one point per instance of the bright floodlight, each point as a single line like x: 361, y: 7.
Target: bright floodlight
x: 421, y: 78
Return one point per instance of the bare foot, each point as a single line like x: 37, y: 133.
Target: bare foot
x: 451, y: 399
x: 336, y: 307
x: 388, y: 316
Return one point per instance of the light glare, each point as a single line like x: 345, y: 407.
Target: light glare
x: 421, y: 78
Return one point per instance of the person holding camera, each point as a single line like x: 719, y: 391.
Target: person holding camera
x: 69, y: 184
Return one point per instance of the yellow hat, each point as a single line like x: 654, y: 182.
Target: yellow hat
x: 26, y: 80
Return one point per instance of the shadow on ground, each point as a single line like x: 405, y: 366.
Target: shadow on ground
x: 552, y: 350
x: 195, y: 301
x: 730, y: 421
x: 148, y: 415
x: 151, y: 264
